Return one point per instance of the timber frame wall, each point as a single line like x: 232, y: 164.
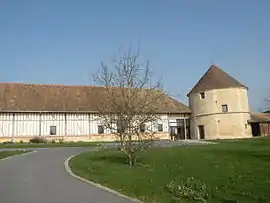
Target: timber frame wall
x: 16, y: 125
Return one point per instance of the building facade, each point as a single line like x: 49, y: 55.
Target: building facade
x: 70, y: 113
x: 219, y: 106
x: 260, y: 124
x: 218, y: 109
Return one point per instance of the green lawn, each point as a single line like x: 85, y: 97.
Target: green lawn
x: 5, y: 154
x: 239, y: 169
x: 49, y: 145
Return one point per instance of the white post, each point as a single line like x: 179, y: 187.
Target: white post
x: 39, y: 124
x: 89, y: 124
x: 169, y: 128
x: 65, y: 115
x: 13, y: 127
x: 185, y: 128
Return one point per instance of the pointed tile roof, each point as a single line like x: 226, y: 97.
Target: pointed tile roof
x: 215, y: 78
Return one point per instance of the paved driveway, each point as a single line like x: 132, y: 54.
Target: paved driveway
x: 40, y: 177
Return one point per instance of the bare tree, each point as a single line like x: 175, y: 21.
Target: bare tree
x: 129, y: 110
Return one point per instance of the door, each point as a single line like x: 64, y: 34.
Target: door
x: 173, y: 132
x: 181, y: 132
x: 255, y: 127
x: 201, y: 132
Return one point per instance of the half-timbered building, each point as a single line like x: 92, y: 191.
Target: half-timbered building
x: 70, y: 112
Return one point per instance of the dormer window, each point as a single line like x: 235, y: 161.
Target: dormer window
x: 202, y: 94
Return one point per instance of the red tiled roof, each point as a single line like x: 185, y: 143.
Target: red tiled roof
x: 65, y: 98
x: 259, y: 117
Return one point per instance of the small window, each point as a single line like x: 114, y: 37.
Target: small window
x: 202, y: 95
x: 121, y: 126
x: 100, y: 129
x: 52, y: 130
x: 142, y: 128
x: 160, y: 128
x: 224, y: 108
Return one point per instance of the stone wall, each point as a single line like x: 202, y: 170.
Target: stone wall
x: 265, y: 129
x: 218, y: 124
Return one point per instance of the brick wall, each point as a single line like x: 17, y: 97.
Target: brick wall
x: 265, y: 129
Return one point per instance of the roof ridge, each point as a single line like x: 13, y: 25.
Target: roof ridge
x: 61, y: 85
x: 48, y: 84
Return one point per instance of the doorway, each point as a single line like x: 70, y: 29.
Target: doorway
x: 256, y: 131
x: 177, y: 132
x: 201, y: 132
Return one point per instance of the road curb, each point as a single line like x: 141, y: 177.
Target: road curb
x: 69, y: 171
x: 9, y: 157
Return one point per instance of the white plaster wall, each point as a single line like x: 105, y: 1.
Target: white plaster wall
x: 78, y: 124
x: 26, y: 124
x: 35, y: 124
x: 162, y: 119
x: 52, y: 119
x: 6, y: 125
x: 93, y: 124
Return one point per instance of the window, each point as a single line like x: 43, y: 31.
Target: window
x: 52, y: 130
x: 142, y: 128
x: 121, y: 126
x: 202, y: 95
x: 160, y: 128
x: 100, y: 129
x: 224, y: 108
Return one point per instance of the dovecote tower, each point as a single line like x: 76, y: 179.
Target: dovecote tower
x: 220, y: 107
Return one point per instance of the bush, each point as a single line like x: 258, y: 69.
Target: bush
x: 61, y: 141
x: 8, y: 142
x: 190, y: 189
x: 38, y: 140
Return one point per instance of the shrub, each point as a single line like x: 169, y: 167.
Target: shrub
x: 38, y: 140
x: 61, y: 141
x: 8, y: 142
x: 189, y: 189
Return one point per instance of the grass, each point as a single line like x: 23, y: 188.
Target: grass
x: 49, y: 145
x: 240, y: 169
x: 5, y: 154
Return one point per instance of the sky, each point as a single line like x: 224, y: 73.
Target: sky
x: 65, y: 41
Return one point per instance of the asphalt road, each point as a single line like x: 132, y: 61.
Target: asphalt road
x: 40, y: 177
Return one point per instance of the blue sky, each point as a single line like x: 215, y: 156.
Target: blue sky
x: 64, y: 41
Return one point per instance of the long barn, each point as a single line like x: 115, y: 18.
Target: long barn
x: 69, y: 112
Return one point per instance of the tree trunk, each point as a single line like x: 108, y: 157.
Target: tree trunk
x: 132, y: 159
